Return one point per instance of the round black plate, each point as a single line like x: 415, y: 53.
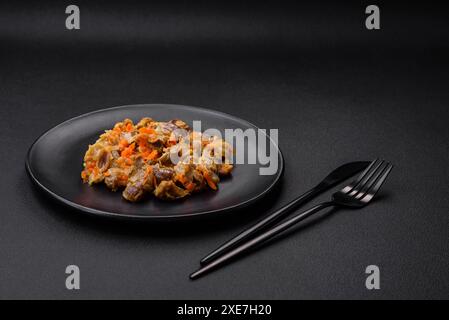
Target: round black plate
x: 54, y: 163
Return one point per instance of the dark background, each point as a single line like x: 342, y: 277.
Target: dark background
x: 337, y: 92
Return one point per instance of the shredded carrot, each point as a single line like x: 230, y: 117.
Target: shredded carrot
x: 150, y: 155
x: 182, y: 178
x: 129, y: 127
x: 143, y: 146
x: 142, y: 141
x: 209, y: 180
x: 90, y: 164
x: 123, y: 143
x: 146, y: 130
x: 153, y: 155
x: 128, y: 151
x: 144, y: 153
x: 190, y: 186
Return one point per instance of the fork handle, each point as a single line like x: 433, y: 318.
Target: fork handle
x: 260, y: 238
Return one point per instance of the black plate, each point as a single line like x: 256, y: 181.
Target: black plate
x: 54, y: 163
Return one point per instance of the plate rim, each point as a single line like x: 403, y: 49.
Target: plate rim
x: 110, y: 214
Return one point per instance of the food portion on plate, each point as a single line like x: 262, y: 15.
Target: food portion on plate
x: 139, y: 159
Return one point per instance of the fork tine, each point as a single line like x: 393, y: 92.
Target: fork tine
x: 367, y: 184
x: 371, y: 193
x: 356, y: 188
x: 365, y: 180
x: 353, y: 184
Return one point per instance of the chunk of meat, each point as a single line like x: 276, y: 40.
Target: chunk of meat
x: 116, y: 178
x: 140, y: 183
x: 104, y: 160
x: 225, y: 169
x: 168, y: 190
x: 144, y: 122
x: 180, y: 124
x: 162, y: 173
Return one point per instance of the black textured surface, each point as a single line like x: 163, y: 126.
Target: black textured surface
x: 335, y: 96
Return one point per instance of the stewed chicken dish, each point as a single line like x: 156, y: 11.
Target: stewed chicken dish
x: 166, y: 159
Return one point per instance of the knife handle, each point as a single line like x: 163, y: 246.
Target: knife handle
x: 261, y: 225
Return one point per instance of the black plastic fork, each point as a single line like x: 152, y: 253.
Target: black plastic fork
x: 355, y: 195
